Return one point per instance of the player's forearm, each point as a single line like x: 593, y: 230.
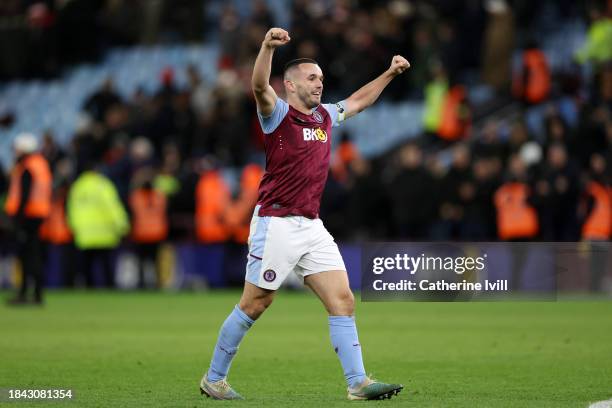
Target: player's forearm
x: 369, y: 93
x: 262, y: 69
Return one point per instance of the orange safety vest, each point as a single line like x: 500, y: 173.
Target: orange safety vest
x: 149, y: 221
x: 537, y: 87
x: 454, y: 121
x: 55, y: 228
x: 238, y: 215
x: 212, y: 200
x: 598, y: 224
x: 39, y: 200
x: 515, y: 217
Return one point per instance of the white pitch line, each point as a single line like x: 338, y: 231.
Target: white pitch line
x: 602, y: 404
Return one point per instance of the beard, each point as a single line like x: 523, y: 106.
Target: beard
x: 310, y: 100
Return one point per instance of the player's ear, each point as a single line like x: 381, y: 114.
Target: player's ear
x: 289, y: 85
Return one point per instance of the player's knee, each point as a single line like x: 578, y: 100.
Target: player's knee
x: 344, y: 304
x: 255, y: 307
x: 348, y: 301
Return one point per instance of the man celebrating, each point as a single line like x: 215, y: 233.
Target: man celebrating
x: 286, y: 234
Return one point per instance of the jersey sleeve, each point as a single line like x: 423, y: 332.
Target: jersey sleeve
x: 337, y: 111
x: 271, y: 122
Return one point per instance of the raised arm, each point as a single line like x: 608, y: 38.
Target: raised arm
x: 260, y: 82
x: 369, y: 93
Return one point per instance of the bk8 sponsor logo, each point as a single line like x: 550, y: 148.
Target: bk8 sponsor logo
x: 314, y: 135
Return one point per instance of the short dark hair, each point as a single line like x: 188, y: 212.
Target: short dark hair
x: 298, y: 61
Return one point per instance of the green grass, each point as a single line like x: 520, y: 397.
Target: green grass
x: 126, y: 349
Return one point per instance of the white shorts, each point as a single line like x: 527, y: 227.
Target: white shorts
x: 281, y: 245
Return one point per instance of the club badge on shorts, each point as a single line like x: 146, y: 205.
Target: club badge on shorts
x: 269, y: 275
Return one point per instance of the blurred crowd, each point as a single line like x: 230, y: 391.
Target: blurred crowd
x: 184, y: 162
x: 44, y: 36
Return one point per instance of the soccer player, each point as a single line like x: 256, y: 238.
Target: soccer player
x: 286, y: 233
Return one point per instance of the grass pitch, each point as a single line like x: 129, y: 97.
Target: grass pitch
x: 128, y: 349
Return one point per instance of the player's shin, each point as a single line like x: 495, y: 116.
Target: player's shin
x: 233, y: 330
x: 345, y: 341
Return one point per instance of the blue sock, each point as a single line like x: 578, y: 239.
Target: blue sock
x: 343, y: 333
x: 233, y: 330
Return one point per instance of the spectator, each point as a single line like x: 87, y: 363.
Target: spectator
x: 556, y: 130
x: 346, y: 152
x: 51, y: 151
x: 532, y: 81
x: 435, y: 93
x: 202, y: 97
x: 597, y: 45
x: 240, y: 211
x: 451, y: 211
x: 56, y: 232
x: 475, y: 194
x: 596, y: 207
x: 98, y: 221
x: 410, y: 194
x: 261, y: 15
x: 212, y: 199
x: 148, y: 209
x: 98, y: 104
x: 517, y: 219
x: 367, y: 196
x: 29, y: 203
x: 230, y: 28
x: 456, y: 116
x: 519, y: 135
x: 498, y: 44
x: 558, y: 217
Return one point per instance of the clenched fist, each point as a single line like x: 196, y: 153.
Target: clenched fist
x: 276, y: 37
x: 399, y: 64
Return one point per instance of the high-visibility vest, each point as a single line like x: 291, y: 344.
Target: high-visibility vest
x: 515, y: 217
x: 537, y: 86
x: 454, y: 121
x: 597, y: 48
x: 39, y: 200
x: 95, y: 213
x: 238, y: 214
x: 435, y: 93
x: 55, y: 228
x: 598, y: 225
x: 149, y: 220
x: 212, y: 199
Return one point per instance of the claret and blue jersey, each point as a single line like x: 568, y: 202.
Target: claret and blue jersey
x: 298, y: 148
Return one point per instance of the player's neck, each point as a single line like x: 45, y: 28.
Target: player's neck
x: 299, y: 106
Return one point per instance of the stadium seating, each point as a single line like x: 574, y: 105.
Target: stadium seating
x: 56, y: 104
